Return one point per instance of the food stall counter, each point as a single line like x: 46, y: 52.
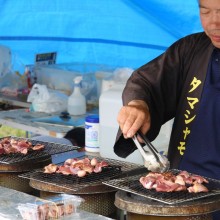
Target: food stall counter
x: 10, y: 199
x: 27, y: 121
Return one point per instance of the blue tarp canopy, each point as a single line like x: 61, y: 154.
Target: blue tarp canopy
x: 125, y: 33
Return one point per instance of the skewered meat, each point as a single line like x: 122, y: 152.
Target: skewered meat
x: 94, y: 161
x: 81, y: 173
x: 51, y: 168
x: 168, y: 182
x: 75, y: 166
x: 10, y: 145
x: 38, y: 147
x: 197, y: 187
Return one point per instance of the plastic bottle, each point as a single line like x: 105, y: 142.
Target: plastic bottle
x: 92, y: 133
x: 77, y: 101
x: 28, y: 75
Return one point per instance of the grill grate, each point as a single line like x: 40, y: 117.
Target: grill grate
x: 49, y: 149
x: 74, y: 183
x: 132, y: 185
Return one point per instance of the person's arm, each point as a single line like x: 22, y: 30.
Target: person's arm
x: 149, y: 99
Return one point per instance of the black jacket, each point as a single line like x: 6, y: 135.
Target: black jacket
x: 171, y: 85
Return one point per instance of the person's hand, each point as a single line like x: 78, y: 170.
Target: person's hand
x: 133, y: 117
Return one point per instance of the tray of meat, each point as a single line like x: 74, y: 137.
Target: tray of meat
x: 80, y: 167
x: 80, y: 174
x: 16, y: 149
x: 174, y: 186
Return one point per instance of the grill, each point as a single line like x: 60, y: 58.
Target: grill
x: 17, y: 162
x: 141, y: 208
x: 99, y: 198
x: 91, y: 183
x: 12, y: 165
x: 132, y: 185
x: 50, y: 149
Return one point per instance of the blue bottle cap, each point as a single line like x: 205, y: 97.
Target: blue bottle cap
x: 92, y: 118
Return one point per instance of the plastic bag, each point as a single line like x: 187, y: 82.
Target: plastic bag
x: 45, y: 100
x: 12, y: 84
x: 5, y: 61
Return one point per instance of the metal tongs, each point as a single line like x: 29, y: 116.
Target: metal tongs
x: 163, y: 162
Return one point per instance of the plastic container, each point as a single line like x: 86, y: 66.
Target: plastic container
x: 77, y: 101
x: 54, y: 207
x: 92, y: 133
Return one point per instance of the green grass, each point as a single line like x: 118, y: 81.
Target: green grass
x: 9, y: 131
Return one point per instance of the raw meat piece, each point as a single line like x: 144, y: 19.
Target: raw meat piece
x: 168, y: 182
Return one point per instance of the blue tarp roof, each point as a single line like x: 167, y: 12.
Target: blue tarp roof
x: 124, y: 33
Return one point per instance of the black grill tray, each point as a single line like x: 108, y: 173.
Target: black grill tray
x: 49, y: 149
x: 72, y: 182
x: 61, y: 179
x: 132, y: 185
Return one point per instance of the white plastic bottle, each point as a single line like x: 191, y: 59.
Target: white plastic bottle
x: 77, y: 101
x: 92, y: 133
